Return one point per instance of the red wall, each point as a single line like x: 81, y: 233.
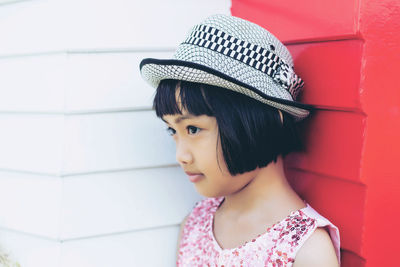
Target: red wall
x: 348, y: 54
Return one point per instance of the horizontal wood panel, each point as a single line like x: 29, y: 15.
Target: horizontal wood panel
x: 30, y: 251
x: 331, y: 73
x: 125, y: 201
x: 31, y: 142
x: 153, y: 248
x: 333, y: 143
x: 122, y: 140
x: 41, y: 26
x: 60, y: 209
x: 62, y: 145
x: 78, y: 82
x: 33, y: 83
x: 293, y: 21
x: 342, y: 202
x: 127, y: 249
x: 30, y: 203
x: 102, y: 81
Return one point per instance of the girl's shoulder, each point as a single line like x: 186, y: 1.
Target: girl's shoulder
x: 318, y: 250
x: 317, y: 232
x: 325, y: 223
x: 302, y: 228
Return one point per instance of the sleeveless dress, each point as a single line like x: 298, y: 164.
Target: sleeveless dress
x: 277, y: 246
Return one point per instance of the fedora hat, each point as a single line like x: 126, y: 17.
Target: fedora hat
x: 235, y: 54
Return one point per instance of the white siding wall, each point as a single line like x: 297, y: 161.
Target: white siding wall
x: 87, y: 173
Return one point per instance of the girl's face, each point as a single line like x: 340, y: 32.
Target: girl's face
x: 198, y: 151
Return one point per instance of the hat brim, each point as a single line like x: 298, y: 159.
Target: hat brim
x: 154, y: 70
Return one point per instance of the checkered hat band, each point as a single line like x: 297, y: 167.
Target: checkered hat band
x: 252, y: 55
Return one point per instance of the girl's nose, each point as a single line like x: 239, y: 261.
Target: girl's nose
x: 183, y: 154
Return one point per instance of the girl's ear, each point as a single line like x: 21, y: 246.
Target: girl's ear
x: 280, y: 114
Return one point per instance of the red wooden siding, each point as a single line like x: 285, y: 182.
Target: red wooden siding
x: 323, y: 192
x: 299, y: 21
x: 331, y: 71
x: 348, y: 53
x: 380, y: 98
x: 333, y: 142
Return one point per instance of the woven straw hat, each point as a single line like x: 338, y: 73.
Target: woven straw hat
x: 235, y: 54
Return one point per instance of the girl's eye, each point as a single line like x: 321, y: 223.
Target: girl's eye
x: 193, y: 129
x: 190, y: 129
x: 171, y: 131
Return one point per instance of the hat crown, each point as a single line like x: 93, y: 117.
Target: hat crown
x: 233, y: 53
x: 246, y: 31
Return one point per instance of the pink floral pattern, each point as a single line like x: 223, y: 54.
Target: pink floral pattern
x: 276, y: 247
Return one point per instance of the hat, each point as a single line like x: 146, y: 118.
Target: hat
x: 235, y: 54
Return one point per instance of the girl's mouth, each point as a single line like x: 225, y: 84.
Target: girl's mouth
x: 194, y: 177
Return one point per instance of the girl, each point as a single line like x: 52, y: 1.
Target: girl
x: 228, y: 99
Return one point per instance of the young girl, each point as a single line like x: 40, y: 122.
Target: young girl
x: 228, y: 99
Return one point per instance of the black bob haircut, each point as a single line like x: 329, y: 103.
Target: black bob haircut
x: 251, y: 132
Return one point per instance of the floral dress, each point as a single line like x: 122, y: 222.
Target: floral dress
x: 277, y: 246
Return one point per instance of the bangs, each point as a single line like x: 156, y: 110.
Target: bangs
x: 191, y: 99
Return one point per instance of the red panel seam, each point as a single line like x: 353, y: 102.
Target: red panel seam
x: 327, y: 176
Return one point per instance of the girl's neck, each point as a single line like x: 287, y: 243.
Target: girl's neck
x: 268, y: 190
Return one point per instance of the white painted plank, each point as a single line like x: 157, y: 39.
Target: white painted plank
x: 54, y: 25
x: 30, y: 203
x: 75, y: 82
x: 31, y: 26
x: 122, y: 140
x: 30, y: 251
x: 96, y: 204
x: 129, y: 249
x: 34, y: 83
x: 31, y: 142
x: 55, y: 145
x: 152, y: 248
x: 100, y: 204
x: 102, y: 81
